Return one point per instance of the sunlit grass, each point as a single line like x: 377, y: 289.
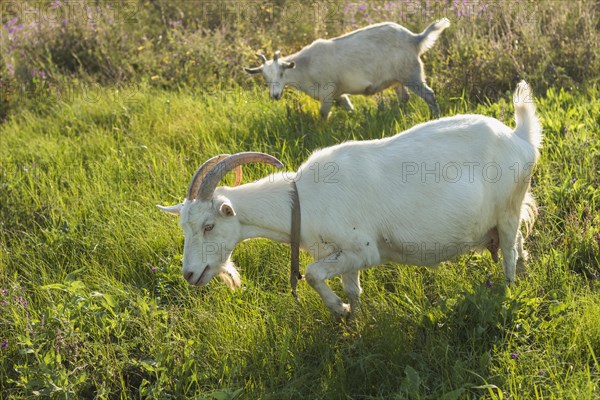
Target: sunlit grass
x: 94, y: 304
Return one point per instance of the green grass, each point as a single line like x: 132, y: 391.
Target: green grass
x: 94, y: 304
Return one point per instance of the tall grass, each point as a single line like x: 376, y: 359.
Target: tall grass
x: 194, y: 44
x: 105, y: 117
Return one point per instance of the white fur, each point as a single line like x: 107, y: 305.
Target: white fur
x: 398, y: 199
x: 365, y: 61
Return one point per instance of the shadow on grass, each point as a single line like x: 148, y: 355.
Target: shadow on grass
x: 445, y: 352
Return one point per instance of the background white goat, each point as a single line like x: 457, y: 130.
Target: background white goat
x: 421, y: 197
x: 365, y: 61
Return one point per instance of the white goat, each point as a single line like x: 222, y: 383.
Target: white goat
x: 365, y: 61
x: 424, y: 196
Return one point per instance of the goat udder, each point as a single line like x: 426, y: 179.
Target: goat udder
x: 494, y: 243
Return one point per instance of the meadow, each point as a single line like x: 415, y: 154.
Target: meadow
x: 107, y: 110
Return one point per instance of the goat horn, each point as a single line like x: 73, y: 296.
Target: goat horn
x: 262, y: 57
x: 276, y: 57
x: 205, y: 169
x: 214, y: 176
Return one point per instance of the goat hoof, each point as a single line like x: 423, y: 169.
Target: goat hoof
x: 343, y: 313
x: 349, y: 317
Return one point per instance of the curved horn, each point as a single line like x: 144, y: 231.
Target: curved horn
x: 212, y: 179
x: 238, y: 175
x: 276, y: 56
x: 262, y: 57
x: 205, y: 169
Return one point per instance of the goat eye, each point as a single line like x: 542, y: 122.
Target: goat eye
x: 208, y: 227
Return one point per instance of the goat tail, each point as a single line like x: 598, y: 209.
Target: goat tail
x: 528, y: 126
x: 427, y: 38
x: 529, y: 212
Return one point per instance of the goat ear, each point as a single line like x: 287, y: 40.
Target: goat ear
x: 226, y: 210
x: 175, y: 210
x: 255, y: 70
x: 289, y: 65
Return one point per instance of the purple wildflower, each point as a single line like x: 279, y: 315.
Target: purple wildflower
x: 11, y: 69
x: 573, y: 180
x: 2, y: 303
x: 15, y: 28
x: 514, y: 356
x: 3, y: 292
x: 10, y: 23
x: 23, y: 302
x: 362, y: 7
x: 153, y: 269
x: 488, y: 283
x: 55, y: 4
x: 4, y: 343
x: 176, y: 22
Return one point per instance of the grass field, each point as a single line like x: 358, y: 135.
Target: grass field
x: 93, y: 303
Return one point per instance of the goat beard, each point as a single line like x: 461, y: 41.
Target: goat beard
x: 230, y: 275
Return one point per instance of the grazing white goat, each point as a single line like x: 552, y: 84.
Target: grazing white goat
x: 426, y: 195
x: 365, y: 61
